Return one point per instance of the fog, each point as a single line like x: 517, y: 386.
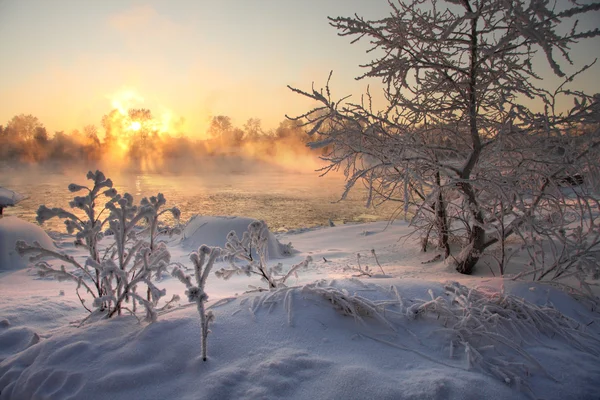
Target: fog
x: 135, y: 141
x: 282, y: 198
x: 227, y: 170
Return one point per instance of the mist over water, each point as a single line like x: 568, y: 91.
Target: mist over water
x: 285, y: 200
x: 226, y: 170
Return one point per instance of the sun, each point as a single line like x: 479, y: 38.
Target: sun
x: 135, y: 126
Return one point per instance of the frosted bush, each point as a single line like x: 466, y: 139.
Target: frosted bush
x: 249, y: 256
x: 493, y: 328
x: 134, y: 259
x: 251, y: 250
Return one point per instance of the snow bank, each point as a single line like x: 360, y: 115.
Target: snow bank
x: 13, y: 229
x: 212, y: 231
x: 262, y: 346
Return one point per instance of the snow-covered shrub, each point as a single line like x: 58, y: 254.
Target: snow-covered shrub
x: 202, y: 267
x: 139, y: 257
x: 134, y: 259
x: 251, y: 251
x: 492, y: 329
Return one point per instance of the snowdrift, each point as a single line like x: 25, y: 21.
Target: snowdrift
x: 415, y: 334
x: 13, y: 229
x: 212, y: 231
x: 289, y: 344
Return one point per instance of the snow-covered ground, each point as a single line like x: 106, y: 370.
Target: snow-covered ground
x: 416, y: 330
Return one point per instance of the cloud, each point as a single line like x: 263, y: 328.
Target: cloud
x: 140, y: 17
x: 143, y: 27
x: 134, y: 18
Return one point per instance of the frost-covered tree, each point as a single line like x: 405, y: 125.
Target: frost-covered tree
x: 472, y: 140
x: 134, y: 258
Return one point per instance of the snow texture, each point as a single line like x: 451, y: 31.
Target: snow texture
x: 330, y: 336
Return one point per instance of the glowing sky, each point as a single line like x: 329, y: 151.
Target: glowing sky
x: 69, y: 62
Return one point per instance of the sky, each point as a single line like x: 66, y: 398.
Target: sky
x: 69, y: 62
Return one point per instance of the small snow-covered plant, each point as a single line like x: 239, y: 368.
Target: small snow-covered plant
x: 203, y: 261
x: 360, y: 271
x: 155, y: 203
x: 350, y: 304
x: 127, y: 255
x: 252, y: 251
x: 366, y: 271
x: 88, y: 230
x: 377, y: 261
x: 112, y: 276
x: 360, y: 308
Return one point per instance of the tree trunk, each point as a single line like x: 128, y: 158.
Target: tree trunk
x: 466, y: 264
x: 441, y: 218
x: 476, y: 239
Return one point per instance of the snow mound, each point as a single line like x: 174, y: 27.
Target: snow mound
x: 212, y: 231
x: 9, y: 197
x: 13, y: 229
x: 15, y: 339
x: 288, y: 344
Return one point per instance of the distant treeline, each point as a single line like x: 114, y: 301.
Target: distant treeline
x: 134, y: 140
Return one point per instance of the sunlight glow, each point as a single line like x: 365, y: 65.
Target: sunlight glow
x: 149, y: 137
x: 135, y: 126
x: 126, y: 99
